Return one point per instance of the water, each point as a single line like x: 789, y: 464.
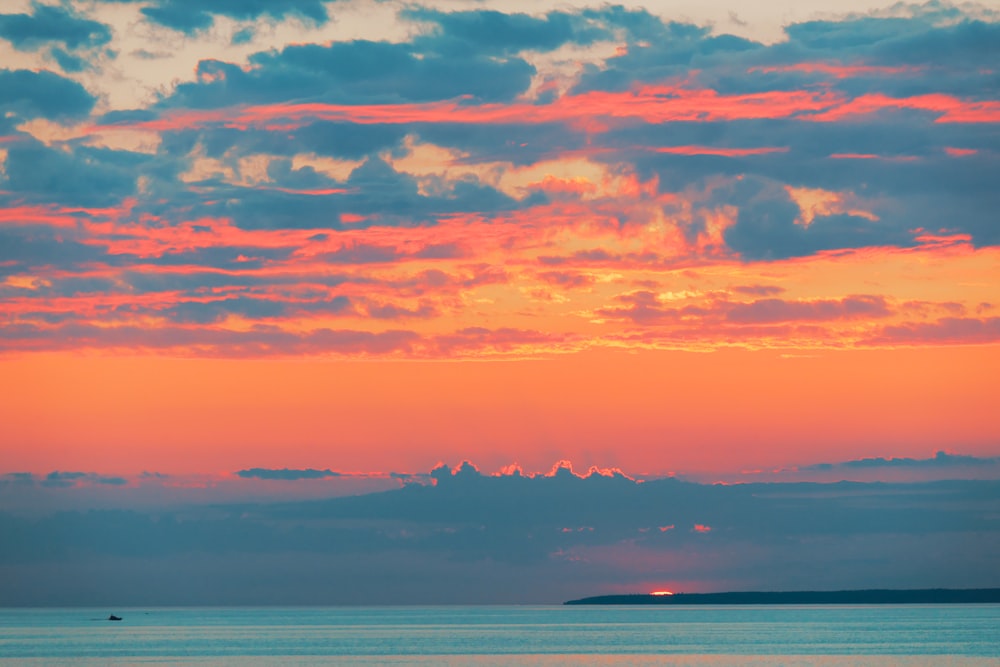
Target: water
x: 919, y: 635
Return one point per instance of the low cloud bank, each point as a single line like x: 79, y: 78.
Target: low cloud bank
x: 468, y: 537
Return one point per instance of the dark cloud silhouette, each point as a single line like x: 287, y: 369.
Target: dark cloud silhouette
x: 190, y: 16
x: 29, y: 94
x: 939, y: 460
x: 766, y: 227
x: 47, y: 24
x: 68, y: 479
x: 353, y: 72
x: 87, y: 176
x: 558, y: 533
x: 473, y: 32
x: 286, y: 473
x: 25, y: 478
x: 24, y: 247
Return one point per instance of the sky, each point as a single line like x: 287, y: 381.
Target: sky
x: 339, y: 287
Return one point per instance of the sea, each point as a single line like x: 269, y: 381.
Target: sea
x: 807, y: 635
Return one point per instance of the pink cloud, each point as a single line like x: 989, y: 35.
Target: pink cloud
x: 723, y: 152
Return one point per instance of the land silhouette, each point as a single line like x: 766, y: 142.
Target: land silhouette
x: 870, y: 596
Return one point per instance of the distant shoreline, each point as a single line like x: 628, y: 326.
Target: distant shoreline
x: 872, y: 596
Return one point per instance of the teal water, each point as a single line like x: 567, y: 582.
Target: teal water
x: 482, y: 636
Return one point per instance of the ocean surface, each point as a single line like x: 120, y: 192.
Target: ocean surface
x: 510, y: 635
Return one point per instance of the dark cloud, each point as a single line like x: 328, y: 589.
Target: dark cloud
x: 353, y: 72
x: 375, y: 190
x: 939, y: 460
x: 18, y: 478
x: 190, y: 16
x: 766, y: 227
x: 43, y: 94
x: 505, y: 142
x: 68, y: 62
x: 347, y: 140
x: 47, y: 24
x: 126, y: 116
x: 26, y: 247
x: 86, y: 176
x: 286, y: 473
x: 657, y: 50
x: 944, y: 330
x: 556, y: 533
x: 462, y: 34
x: 779, y: 310
x: 208, y: 312
x: 69, y: 479
x: 344, y: 140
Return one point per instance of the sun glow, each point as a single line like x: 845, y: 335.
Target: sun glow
x: 662, y: 593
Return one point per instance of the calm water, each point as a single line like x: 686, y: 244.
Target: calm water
x: 486, y: 636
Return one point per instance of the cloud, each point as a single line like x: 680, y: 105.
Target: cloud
x: 495, y: 167
x: 621, y: 532
x: 503, y: 339
x: 758, y: 290
x: 257, y: 342
x: 461, y: 34
x: 286, y: 474
x: 27, y: 94
x: 86, y: 177
x: 353, y: 72
x: 780, y: 310
x: 567, y: 279
x: 17, y: 478
x: 939, y: 460
x: 71, y: 479
x: 944, y: 330
x: 47, y: 24
x: 646, y: 307
x: 766, y: 227
x: 191, y: 16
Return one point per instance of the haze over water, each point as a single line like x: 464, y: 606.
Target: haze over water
x: 535, y: 635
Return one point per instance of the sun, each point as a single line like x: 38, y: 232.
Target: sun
x: 662, y: 593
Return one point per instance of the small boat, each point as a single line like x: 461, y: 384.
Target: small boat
x: 112, y: 617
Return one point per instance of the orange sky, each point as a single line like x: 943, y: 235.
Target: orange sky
x: 650, y: 411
